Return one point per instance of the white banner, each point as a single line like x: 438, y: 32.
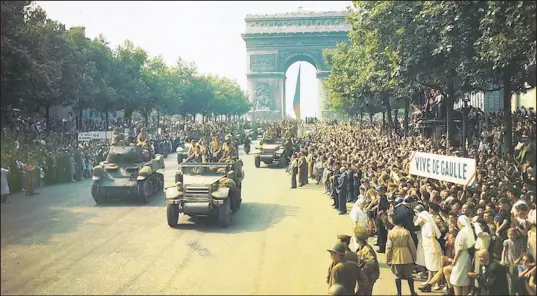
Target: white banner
x: 452, y: 169
x: 95, y: 135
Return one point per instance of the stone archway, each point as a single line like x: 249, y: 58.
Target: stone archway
x: 274, y: 42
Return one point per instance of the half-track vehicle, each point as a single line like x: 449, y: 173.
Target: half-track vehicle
x: 271, y: 151
x: 127, y: 172
x: 205, y: 189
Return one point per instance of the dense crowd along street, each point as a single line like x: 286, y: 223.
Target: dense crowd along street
x: 122, y: 173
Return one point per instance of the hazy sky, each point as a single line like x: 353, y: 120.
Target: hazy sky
x: 208, y: 33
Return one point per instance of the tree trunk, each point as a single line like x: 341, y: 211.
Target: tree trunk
x: 388, y: 107
x: 407, y: 115
x: 370, y: 118
x: 508, y: 121
x: 79, y: 119
x: 106, y: 119
x: 449, y: 102
x: 47, y: 116
x: 146, y: 119
x: 361, y: 116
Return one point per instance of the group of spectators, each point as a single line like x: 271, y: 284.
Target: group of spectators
x: 462, y: 240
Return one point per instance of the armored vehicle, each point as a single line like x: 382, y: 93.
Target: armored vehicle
x: 124, y: 173
x: 271, y: 151
x: 205, y: 189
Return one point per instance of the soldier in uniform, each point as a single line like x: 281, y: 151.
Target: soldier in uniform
x: 345, y: 273
x: 214, y: 148
x: 118, y: 139
x: 367, y: 258
x: 30, y: 172
x: 294, y: 170
x: 302, y: 170
x: 228, y: 151
x: 143, y: 139
x: 197, y: 156
x: 309, y: 159
x: 346, y: 241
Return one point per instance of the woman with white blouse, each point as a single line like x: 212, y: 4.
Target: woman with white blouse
x: 462, y: 262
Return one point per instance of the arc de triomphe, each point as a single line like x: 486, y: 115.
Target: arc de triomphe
x: 274, y: 42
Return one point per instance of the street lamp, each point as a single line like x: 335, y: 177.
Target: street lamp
x: 465, y: 110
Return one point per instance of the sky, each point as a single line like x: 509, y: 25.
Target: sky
x: 207, y: 33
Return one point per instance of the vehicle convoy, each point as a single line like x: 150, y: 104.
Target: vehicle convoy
x: 126, y: 172
x: 205, y: 189
x: 270, y: 151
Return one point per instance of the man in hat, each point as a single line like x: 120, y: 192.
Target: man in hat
x: 346, y: 241
x: 345, y: 273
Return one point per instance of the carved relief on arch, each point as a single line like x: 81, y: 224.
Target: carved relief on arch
x: 263, y: 98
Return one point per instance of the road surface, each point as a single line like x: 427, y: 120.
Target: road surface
x: 60, y: 242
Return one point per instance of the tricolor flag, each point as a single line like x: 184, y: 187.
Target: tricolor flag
x: 296, y: 100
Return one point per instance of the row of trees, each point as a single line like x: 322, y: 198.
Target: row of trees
x: 43, y: 64
x: 398, y: 49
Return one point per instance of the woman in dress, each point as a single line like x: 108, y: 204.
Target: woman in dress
x: 420, y: 259
x: 358, y: 216
x: 430, y: 233
x: 462, y: 262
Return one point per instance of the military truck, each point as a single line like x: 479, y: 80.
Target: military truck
x: 270, y: 151
x: 125, y: 173
x: 205, y: 189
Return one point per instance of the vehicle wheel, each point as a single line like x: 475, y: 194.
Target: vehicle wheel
x: 172, y: 214
x: 96, y: 193
x: 257, y: 162
x: 283, y: 161
x: 160, y: 183
x: 224, y: 214
x: 144, y: 191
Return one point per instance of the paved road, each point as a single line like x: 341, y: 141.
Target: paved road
x: 60, y: 242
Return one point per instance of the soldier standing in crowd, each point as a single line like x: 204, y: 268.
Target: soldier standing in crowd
x: 346, y: 241
x: 302, y: 170
x: 403, y: 209
x: 366, y: 258
x: 294, y: 170
x: 309, y: 159
x: 334, y: 181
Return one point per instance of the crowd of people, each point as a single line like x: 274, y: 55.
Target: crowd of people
x: 462, y: 240
x: 34, y: 154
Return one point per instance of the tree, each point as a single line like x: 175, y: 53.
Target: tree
x: 506, y: 50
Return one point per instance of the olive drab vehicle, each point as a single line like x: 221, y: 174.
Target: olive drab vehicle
x: 126, y: 172
x: 205, y: 189
x: 270, y: 151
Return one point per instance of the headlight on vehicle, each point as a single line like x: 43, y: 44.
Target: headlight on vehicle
x: 179, y: 186
x: 173, y: 192
x: 280, y: 151
x: 214, y: 187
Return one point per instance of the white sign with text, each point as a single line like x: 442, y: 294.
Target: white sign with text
x: 452, y: 169
x: 95, y: 135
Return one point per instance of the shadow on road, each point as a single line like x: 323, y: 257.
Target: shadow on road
x: 40, y: 227
x: 156, y: 201
x: 252, y: 217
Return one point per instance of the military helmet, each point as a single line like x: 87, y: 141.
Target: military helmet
x: 338, y: 289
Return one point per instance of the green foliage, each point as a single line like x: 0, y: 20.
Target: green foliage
x: 45, y: 65
x: 398, y: 48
